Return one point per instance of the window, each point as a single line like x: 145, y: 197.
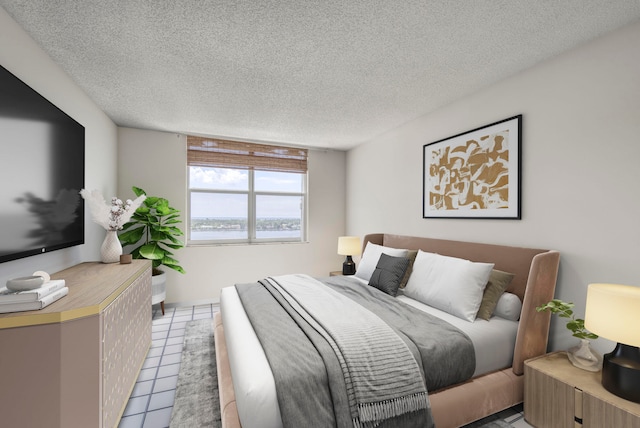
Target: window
x: 242, y: 192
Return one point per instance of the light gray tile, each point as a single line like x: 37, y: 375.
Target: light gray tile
x: 160, y: 327
x: 173, y: 349
x: 159, y: 343
x: 155, y: 352
x: 206, y: 309
x: 165, y: 384
x: 202, y: 316
x: 136, y: 405
x: 159, y: 335
x: 170, y: 370
x: 182, y: 318
x: 142, y: 388
x: 133, y: 421
x: 521, y: 423
x: 162, y: 400
x: 177, y: 333
x: 161, y: 321
x: 178, y: 340
x: 147, y: 374
x: 151, y: 362
x: 171, y: 359
x: 158, y: 418
x: 179, y: 325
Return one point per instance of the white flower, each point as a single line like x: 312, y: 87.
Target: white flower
x: 114, y: 216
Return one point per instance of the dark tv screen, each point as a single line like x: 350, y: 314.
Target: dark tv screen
x: 41, y: 173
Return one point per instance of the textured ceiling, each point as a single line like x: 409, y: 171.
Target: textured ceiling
x: 328, y: 73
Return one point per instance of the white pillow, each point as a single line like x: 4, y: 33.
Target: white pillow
x: 509, y: 307
x: 447, y: 283
x: 371, y: 256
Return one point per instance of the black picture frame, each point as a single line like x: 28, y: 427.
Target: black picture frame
x: 475, y: 174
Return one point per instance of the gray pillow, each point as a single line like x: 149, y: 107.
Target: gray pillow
x: 389, y: 273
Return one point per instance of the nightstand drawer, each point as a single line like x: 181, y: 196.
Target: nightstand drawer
x: 559, y: 395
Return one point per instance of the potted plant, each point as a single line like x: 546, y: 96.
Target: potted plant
x: 582, y: 355
x: 153, y: 231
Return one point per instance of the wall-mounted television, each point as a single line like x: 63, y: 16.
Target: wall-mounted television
x: 41, y: 173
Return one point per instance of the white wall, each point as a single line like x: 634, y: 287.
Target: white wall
x: 581, y: 148
x: 25, y: 59
x: 156, y: 162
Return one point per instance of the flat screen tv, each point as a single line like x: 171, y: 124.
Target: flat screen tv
x: 41, y: 173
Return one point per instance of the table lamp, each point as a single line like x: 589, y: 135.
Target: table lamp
x: 348, y: 246
x: 613, y: 312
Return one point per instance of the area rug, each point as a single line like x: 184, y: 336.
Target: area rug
x: 197, y: 403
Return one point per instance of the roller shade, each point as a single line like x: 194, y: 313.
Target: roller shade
x: 213, y: 152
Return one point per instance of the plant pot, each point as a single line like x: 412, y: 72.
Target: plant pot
x: 585, y: 357
x: 158, y: 288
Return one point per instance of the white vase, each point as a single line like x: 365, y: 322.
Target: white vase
x: 585, y: 357
x: 111, y: 248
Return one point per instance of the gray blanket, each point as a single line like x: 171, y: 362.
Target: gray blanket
x: 309, y: 384
x: 382, y: 377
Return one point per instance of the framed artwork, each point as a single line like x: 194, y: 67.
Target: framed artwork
x: 475, y: 174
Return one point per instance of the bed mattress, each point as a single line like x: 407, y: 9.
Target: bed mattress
x: 255, y: 390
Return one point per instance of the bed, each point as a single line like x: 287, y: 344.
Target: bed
x: 493, y: 386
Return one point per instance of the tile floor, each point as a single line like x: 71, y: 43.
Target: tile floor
x: 151, y: 401
x: 513, y: 416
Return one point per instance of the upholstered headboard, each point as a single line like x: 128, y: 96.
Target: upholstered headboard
x: 535, y: 273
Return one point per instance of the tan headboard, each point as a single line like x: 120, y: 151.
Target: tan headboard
x: 535, y: 273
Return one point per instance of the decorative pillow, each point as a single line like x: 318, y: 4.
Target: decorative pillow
x: 388, y: 273
x: 498, y: 282
x: 411, y: 255
x: 509, y: 307
x: 447, y: 283
x: 371, y: 256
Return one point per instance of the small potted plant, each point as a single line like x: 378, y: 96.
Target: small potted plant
x: 582, y: 355
x: 154, y: 234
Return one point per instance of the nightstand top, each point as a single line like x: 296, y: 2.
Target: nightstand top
x: 558, y: 366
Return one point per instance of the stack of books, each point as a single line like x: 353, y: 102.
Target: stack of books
x: 31, y: 300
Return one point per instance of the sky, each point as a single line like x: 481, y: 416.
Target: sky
x: 235, y: 205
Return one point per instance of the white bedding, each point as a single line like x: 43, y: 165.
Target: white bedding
x: 253, y: 382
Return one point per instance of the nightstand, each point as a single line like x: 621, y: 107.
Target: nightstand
x: 559, y: 395
x: 335, y: 273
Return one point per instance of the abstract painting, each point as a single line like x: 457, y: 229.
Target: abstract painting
x: 475, y: 174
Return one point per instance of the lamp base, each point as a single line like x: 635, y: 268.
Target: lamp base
x: 621, y: 372
x: 349, y: 266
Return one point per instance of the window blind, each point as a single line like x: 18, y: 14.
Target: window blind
x: 213, y: 152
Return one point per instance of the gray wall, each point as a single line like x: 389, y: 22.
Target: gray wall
x: 581, y: 122
x: 24, y: 58
x: 156, y: 162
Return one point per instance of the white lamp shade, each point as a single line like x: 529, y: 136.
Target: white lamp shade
x: 613, y: 312
x: 349, y: 245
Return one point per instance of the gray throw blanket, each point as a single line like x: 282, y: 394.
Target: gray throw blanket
x: 382, y: 378
x: 309, y: 382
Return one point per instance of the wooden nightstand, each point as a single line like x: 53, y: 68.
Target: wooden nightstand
x: 559, y: 395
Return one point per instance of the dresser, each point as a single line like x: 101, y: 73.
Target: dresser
x: 559, y: 395
x: 75, y: 362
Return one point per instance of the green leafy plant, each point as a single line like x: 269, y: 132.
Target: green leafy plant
x: 565, y: 310
x: 152, y: 229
